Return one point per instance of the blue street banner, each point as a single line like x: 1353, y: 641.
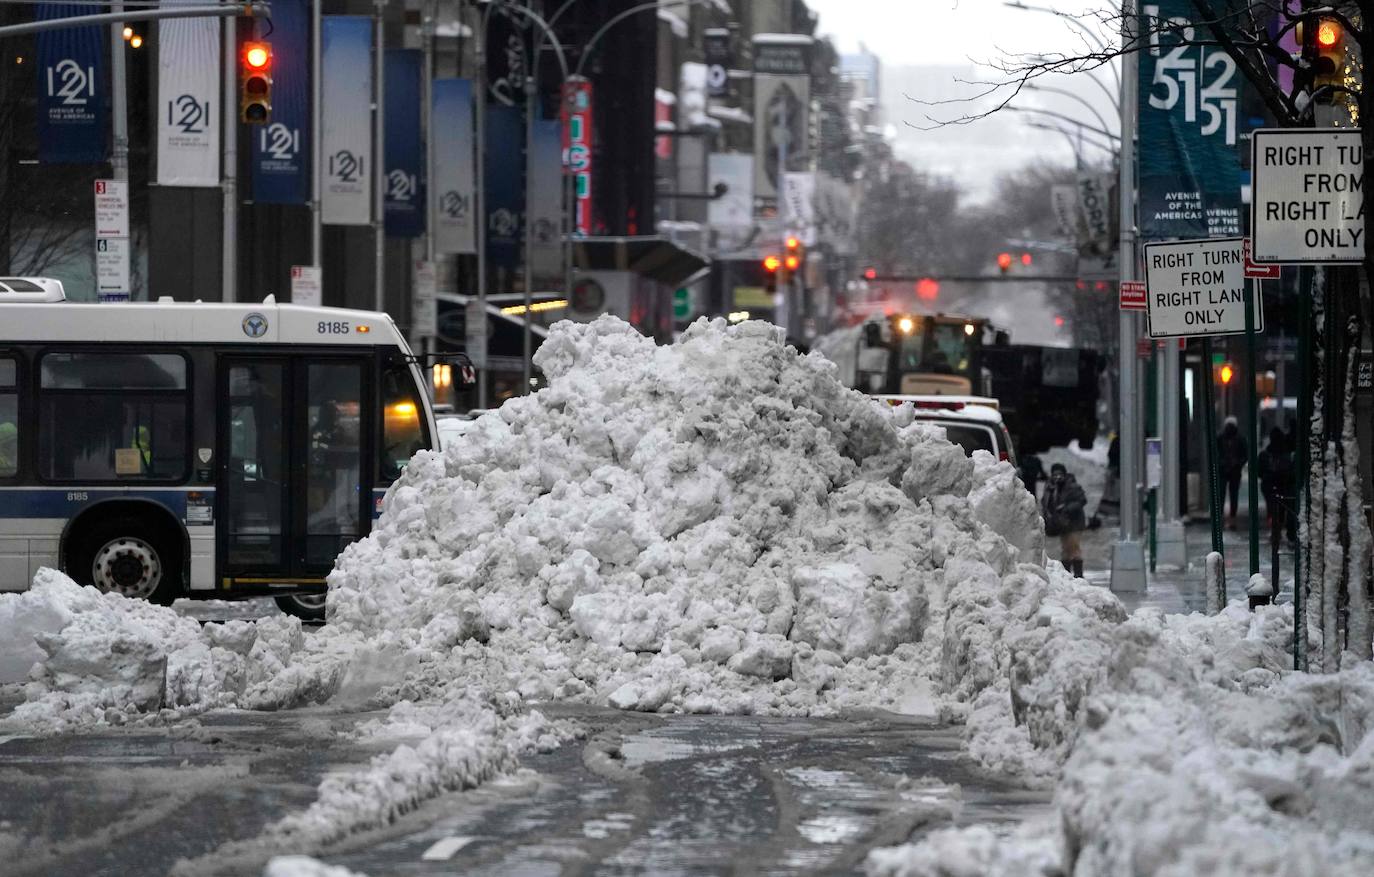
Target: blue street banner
x: 504, y: 190
x: 545, y: 211
x: 405, y: 192
x: 1190, y: 129
x: 454, y: 228
x: 72, y: 84
x: 188, y: 101
x: 281, y: 148
x: 346, y: 190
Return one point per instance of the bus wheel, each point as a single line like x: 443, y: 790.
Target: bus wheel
x: 306, y: 607
x: 130, y: 561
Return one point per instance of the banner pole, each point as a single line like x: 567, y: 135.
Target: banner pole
x: 480, y: 214
x: 378, y: 158
x: 229, y: 167
x: 316, y: 140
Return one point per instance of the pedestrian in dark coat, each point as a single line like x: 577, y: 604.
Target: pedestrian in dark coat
x: 1276, y: 477
x: 1232, y: 454
x: 1062, y: 507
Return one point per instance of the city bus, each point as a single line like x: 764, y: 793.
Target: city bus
x: 174, y: 449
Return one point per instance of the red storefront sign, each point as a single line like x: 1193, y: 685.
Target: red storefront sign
x: 577, y: 149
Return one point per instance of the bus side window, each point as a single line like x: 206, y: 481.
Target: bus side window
x: 112, y: 416
x: 9, y: 418
x: 402, y: 434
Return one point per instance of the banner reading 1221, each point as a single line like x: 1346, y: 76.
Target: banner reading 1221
x: 281, y: 148
x: 1190, y: 126
x: 405, y: 183
x: 71, y: 89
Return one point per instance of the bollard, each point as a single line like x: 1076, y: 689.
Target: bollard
x: 1260, y: 591
x: 1215, y: 582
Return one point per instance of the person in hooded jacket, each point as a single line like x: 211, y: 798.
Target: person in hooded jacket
x: 1232, y: 455
x: 1062, y: 506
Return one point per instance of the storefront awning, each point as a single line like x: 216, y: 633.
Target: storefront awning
x: 651, y: 256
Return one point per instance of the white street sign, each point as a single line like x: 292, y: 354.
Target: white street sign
x: 1308, y: 201
x: 112, y: 268
x: 307, y: 287
x: 1197, y: 288
x: 111, y: 208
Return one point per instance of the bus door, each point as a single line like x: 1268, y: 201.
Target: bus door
x: 294, y: 488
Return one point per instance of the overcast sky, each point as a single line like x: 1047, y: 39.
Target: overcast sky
x: 927, y: 46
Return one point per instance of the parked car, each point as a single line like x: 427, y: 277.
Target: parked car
x: 972, y: 422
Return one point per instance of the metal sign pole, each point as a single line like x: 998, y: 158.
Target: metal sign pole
x: 1252, y: 289
x: 1128, y: 554
x: 1209, y: 443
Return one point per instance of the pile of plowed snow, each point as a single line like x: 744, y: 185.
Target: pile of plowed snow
x: 712, y: 526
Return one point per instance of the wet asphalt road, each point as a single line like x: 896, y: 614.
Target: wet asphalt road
x: 640, y: 794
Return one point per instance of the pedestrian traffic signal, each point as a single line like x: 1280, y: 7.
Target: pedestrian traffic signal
x: 255, y: 83
x: 1225, y: 372
x: 1004, y: 262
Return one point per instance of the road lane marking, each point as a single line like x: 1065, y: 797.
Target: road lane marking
x: 443, y: 850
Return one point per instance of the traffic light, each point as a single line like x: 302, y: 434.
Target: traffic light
x: 1329, y: 69
x: 1026, y: 259
x: 1004, y: 262
x: 927, y: 289
x: 255, y: 83
x: 793, y: 259
x: 1223, y: 372
x: 771, y: 265
x: 870, y: 274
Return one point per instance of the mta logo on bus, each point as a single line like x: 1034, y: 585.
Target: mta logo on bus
x: 255, y: 325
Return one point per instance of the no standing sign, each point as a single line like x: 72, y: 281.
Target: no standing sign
x: 1197, y: 288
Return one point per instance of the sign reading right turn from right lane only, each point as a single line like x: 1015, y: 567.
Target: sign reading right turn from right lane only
x: 1308, y: 197
x: 1197, y: 288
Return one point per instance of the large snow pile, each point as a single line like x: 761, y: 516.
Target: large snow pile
x: 713, y: 526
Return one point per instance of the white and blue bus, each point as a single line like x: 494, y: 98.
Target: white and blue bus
x: 173, y: 449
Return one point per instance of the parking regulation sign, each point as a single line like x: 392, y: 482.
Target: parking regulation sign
x: 1307, y: 203
x: 1197, y: 288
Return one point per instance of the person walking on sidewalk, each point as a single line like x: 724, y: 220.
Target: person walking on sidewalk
x: 1276, y: 478
x: 1232, y: 454
x: 1062, y: 507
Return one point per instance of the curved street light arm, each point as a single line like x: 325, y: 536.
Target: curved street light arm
x: 1066, y: 93
x: 596, y: 37
x: 1070, y: 119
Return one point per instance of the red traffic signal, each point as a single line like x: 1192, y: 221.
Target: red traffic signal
x: 927, y: 289
x: 1004, y: 262
x: 792, y: 262
x: 1025, y: 258
x: 870, y: 274
x: 255, y: 83
x: 771, y: 264
x: 1226, y: 373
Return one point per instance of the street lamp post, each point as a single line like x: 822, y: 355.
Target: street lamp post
x: 1128, y: 554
